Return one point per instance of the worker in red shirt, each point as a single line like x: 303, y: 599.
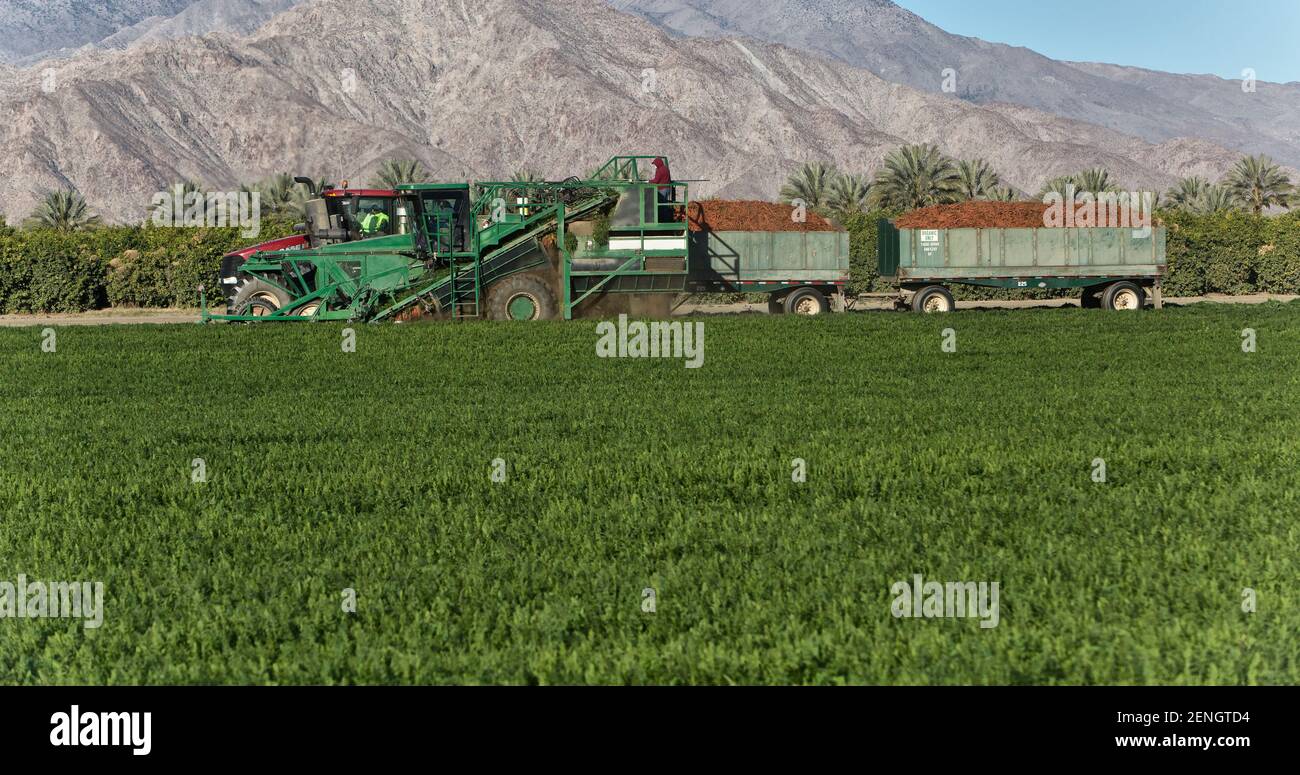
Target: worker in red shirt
x: 666, y: 195
x: 662, y: 175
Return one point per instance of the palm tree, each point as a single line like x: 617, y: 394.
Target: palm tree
x: 1184, y: 194
x: 185, y: 188
x: 1096, y: 180
x: 63, y: 211
x: 1216, y: 199
x: 1060, y: 185
x: 847, y: 195
x: 1004, y: 194
x: 811, y: 184
x: 278, y: 194
x: 978, y: 180
x: 398, y: 172
x: 917, y: 176
x: 1260, y: 184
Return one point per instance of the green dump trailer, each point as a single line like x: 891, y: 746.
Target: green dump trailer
x: 1114, y: 268
x: 801, y: 271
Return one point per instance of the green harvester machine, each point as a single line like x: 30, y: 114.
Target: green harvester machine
x: 503, y: 250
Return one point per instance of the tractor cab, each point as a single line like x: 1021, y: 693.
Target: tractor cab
x: 332, y: 215
x: 446, y: 213
x: 348, y: 215
x: 368, y: 214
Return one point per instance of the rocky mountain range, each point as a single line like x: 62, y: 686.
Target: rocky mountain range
x: 32, y: 29
x: 901, y: 47
x: 200, y: 17
x: 482, y: 88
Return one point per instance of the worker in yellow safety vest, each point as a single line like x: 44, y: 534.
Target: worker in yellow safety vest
x: 376, y: 221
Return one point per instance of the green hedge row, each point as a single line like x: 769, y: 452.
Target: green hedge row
x: 146, y: 266
x: 142, y: 266
x: 1233, y: 253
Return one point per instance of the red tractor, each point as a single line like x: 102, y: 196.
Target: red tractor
x: 340, y: 215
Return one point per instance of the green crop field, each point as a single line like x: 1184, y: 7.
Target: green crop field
x: 372, y: 471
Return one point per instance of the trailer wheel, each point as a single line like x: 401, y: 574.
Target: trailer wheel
x: 1124, y: 295
x: 807, y: 301
x: 522, y: 297
x: 258, y: 297
x: 932, y: 299
x: 308, y: 310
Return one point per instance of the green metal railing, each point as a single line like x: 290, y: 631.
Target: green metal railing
x: 625, y: 168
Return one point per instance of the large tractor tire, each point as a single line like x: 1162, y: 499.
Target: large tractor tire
x: 522, y: 297
x: 257, y: 297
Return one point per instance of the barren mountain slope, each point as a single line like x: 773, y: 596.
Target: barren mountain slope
x: 200, y: 17
x: 486, y: 88
x: 904, y: 48
x: 29, y: 27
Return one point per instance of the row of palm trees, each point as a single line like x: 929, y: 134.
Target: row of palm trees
x: 278, y: 195
x: 1255, y: 184
x: 912, y: 176
x: 921, y: 175
x: 66, y: 210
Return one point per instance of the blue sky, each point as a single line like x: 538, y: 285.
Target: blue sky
x: 1180, y: 36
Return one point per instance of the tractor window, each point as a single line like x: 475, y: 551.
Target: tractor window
x: 446, y: 220
x: 375, y: 216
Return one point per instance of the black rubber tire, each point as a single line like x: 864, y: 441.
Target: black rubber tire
x: 811, y: 300
x: 253, y: 289
x: 259, y: 307
x: 533, y: 287
x: 301, y: 310
x: 1116, y: 291
x: 923, y: 297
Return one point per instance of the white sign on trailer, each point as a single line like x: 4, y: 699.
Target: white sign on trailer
x: 929, y: 241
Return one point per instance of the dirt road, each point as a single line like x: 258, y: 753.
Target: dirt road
x: 102, y: 317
